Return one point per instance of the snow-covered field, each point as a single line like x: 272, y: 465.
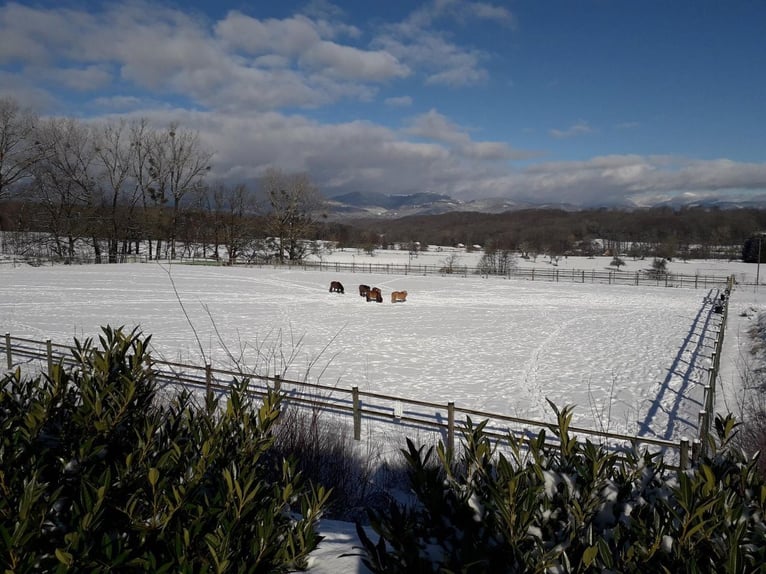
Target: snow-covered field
x: 633, y: 359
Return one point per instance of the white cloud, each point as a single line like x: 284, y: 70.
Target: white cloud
x: 577, y: 129
x: 398, y: 101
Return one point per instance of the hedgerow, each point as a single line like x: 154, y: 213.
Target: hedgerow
x: 528, y: 507
x: 97, y: 473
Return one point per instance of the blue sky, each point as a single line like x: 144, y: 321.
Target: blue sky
x: 588, y: 102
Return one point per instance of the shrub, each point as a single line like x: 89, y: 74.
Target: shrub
x: 97, y: 474
x: 572, y: 508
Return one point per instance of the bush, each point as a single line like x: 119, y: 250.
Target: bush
x: 573, y: 508
x: 97, y: 474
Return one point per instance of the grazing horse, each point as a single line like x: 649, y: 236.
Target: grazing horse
x: 336, y: 286
x: 397, y: 296
x: 374, y: 294
x: 363, y: 290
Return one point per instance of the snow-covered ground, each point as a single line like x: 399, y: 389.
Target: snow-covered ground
x: 632, y: 359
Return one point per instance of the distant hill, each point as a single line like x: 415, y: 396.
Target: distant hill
x: 361, y: 204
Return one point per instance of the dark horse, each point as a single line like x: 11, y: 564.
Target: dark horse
x: 363, y: 289
x: 374, y: 294
x: 336, y: 286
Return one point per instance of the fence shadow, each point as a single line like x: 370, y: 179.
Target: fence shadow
x: 683, y: 368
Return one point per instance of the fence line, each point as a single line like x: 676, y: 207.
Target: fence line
x: 550, y: 274
x: 706, y: 414
x: 359, y: 405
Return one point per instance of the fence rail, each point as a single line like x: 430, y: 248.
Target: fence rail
x: 408, y: 414
x: 549, y: 273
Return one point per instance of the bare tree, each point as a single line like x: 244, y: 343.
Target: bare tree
x: 119, y: 192
x: 65, y: 183
x: 19, y: 149
x: 140, y: 142
x: 235, y: 209
x: 177, y: 165
x: 295, y: 205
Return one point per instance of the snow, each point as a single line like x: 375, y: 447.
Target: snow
x: 631, y: 359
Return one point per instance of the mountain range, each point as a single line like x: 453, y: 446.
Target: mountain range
x: 374, y: 204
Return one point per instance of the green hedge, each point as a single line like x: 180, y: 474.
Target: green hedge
x: 579, y: 508
x: 101, y: 471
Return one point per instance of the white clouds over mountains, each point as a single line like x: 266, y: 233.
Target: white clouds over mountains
x: 312, y: 91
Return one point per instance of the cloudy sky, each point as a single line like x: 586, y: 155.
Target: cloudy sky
x: 588, y: 102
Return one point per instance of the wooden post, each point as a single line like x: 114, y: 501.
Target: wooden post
x: 702, y: 419
x: 49, y: 350
x: 684, y: 454
x: 696, y: 449
x: 209, y: 380
x: 451, y: 428
x: 8, y: 350
x: 357, y: 413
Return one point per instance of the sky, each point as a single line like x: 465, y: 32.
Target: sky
x: 593, y: 102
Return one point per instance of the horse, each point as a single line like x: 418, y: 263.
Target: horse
x: 398, y: 296
x: 363, y: 290
x: 374, y: 294
x: 336, y: 286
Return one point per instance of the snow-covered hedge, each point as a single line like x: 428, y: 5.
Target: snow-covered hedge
x: 578, y: 508
x: 98, y: 475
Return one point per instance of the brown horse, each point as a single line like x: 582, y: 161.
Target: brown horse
x: 363, y: 290
x: 336, y: 286
x: 398, y: 296
x: 374, y: 294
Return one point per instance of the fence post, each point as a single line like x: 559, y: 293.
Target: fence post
x: 702, y: 419
x: 209, y: 380
x: 696, y: 449
x: 8, y: 350
x: 49, y: 351
x: 684, y: 454
x: 357, y: 414
x: 277, y: 384
x: 451, y: 428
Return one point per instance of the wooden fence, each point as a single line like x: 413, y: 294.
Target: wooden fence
x: 707, y: 413
x: 549, y: 274
x: 361, y: 407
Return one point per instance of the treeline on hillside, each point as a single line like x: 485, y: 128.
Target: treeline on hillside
x: 665, y: 232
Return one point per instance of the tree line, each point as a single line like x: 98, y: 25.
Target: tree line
x: 691, y: 232
x: 108, y: 188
